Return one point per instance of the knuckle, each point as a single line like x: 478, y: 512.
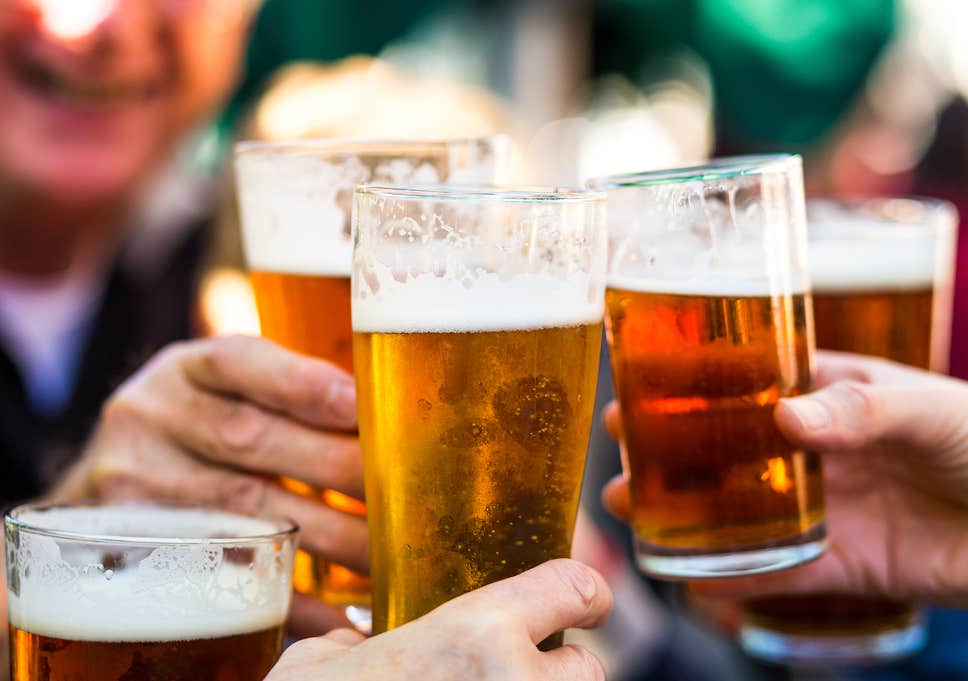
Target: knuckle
x: 244, y: 493
x: 578, y: 581
x: 242, y: 431
x: 856, y: 403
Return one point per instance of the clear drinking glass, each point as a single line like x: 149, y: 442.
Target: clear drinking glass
x: 883, y: 273
x: 132, y: 593
x: 709, y: 325
x: 477, y: 325
x: 295, y: 201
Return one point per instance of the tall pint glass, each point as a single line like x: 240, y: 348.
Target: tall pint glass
x: 882, y: 272
x: 136, y: 593
x: 477, y: 323
x: 709, y: 324
x: 295, y: 202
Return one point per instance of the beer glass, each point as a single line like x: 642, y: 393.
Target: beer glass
x: 136, y: 593
x: 476, y: 330
x: 882, y: 272
x: 709, y: 324
x: 295, y: 201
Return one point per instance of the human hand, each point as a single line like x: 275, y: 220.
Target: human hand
x: 486, y: 635
x: 895, y: 445
x: 216, y: 422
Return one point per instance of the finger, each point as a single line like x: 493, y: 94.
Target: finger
x: 554, y: 596
x: 254, y: 369
x: 322, y: 530
x: 242, y: 435
x: 845, y: 366
x: 309, y: 616
x: 616, y: 498
x: 570, y: 663
x: 849, y: 416
x: 612, y: 419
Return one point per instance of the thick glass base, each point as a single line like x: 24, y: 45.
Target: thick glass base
x: 361, y: 618
x: 662, y: 563
x: 833, y: 650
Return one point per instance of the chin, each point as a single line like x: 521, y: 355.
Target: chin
x: 86, y: 176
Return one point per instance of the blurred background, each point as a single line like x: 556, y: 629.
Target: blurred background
x: 872, y: 93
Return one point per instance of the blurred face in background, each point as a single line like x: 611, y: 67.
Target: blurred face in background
x: 94, y: 94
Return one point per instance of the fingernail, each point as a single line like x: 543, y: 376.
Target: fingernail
x: 342, y: 401
x: 813, y: 414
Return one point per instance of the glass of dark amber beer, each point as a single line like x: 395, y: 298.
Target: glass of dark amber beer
x: 295, y: 201
x: 882, y: 272
x: 477, y: 324
x: 709, y: 324
x: 135, y: 593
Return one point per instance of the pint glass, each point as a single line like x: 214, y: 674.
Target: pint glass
x: 477, y: 324
x: 136, y: 593
x: 295, y: 202
x: 709, y: 324
x: 882, y: 272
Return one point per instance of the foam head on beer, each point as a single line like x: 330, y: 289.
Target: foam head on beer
x: 433, y: 264
x: 146, y: 574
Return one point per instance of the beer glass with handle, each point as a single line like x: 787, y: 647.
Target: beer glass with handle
x: 882, y: 272
x: 709, y: 325
x: 136, y: 593
x: 295, y: 201
x: 477, y: 324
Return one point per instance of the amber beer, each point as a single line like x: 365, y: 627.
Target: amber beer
x: 709, y: 324
x: 101, y: 601
x: 295, y: 203
x: 71, y: 655
x: 697, y: 376
x: 310, y: 313
x: 881, y: 288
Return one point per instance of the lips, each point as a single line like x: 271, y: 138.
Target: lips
x: 50, y: 82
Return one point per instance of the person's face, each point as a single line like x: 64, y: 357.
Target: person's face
x: 94, y: 93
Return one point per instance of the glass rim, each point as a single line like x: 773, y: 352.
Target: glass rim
x: 351, y: 145
x: 287, y: 527
x: 483, y: 193
x: 721, y: 168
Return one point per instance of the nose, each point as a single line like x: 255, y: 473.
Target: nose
x: 73, y: 20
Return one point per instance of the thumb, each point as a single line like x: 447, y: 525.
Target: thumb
x: 547, y: 599
x: 927, y: 420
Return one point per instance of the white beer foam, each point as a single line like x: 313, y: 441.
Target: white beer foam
x: 711, y: 284
x: 430, y: 304
x: 166, y: 593
x: 291, y: 219
x: 114, y: 610
x: 874, y: 264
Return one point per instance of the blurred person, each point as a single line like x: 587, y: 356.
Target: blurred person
x: 486, y: 635
x: 97, y: 96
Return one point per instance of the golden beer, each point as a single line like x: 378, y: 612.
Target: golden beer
x: 698, y: 377
x: 243, y: 657
x: 474, y: 447
x: 477, y: 334
x: 879, y: 289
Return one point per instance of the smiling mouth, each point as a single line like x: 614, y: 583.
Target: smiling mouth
x: 50, y: 83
